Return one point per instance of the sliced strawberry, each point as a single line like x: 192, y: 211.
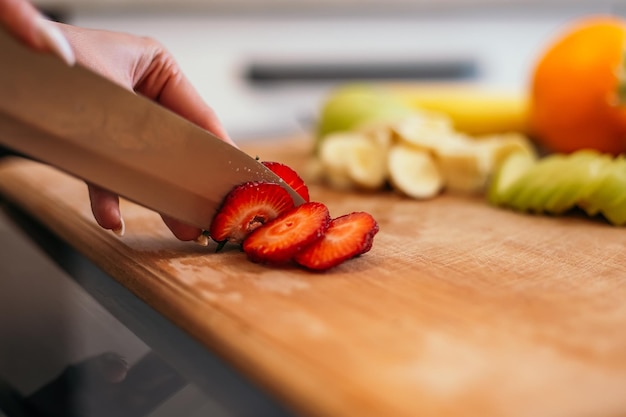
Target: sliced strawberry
x: 347, y: 236
x: 247, y: 207
x: 290, y: 176
x: 277, y: 241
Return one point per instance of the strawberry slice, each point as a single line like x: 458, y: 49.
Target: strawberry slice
x: 347, y: 236
x: 247, y: 207
x: 277, y: 241
x: 290, y: 176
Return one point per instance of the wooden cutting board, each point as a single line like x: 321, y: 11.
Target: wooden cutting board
x: 460, y: 309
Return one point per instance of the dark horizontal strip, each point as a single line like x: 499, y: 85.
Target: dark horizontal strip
x: 305, y: 72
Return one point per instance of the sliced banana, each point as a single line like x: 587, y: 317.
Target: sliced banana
x: 334, y: 149
x: 367, y: 165
x: 354, y: 159
x: 381, y: 133
x: 429, y: 131
x: 463, y: 167
x: 414, y: 172
x: 376, y: 153
x: 496, y: 148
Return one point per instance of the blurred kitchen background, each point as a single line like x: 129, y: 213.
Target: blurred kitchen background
x: 265, y: 66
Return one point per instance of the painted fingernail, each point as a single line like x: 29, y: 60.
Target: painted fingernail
x: 202, y: 240
x: 120, y: 229
x: 55, y: 40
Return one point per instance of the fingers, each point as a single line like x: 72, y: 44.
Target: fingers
x: 162, y: 80
x: 182, y: 231
x: 144, y: 66
x: 105, y: 207
x: 24, y: 22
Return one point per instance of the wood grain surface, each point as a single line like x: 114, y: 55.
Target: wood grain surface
x: 460, y: 309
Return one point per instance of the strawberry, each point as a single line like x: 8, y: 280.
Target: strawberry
x: 247, y: 207
x: 290, y: 176
x: 347, y: 236
x: 277, y: 241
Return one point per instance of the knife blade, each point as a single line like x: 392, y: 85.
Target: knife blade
x: 94, y: 129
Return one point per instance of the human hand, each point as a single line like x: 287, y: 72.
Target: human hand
x: 136, y: 63
x: 142, y: 65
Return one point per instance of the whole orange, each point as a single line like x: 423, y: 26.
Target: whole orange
x: 575, y: 96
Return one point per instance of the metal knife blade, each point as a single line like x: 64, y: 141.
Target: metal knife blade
x: 82, y: 123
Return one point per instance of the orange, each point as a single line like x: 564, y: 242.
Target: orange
x: 575, y: 100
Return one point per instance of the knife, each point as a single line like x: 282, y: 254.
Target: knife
x: 94, y: 129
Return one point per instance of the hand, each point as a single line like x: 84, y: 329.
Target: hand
x: 142, y: 65
x: 136, y: 63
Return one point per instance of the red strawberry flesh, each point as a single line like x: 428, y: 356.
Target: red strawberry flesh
x: 247, y: 207
x: 279, y: 240
x: 290, y: 176
x: 346, y: 237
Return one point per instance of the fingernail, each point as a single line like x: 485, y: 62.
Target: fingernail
x: 55, y: 40
x: 202, y: 240
x: 120, y: 229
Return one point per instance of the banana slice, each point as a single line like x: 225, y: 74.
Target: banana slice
x: 332, y: 155
x: 469, y: 162
x: 496, y: 148
x: 375, y: 152
x: 367, y: 165
x: 353, y: 159
x: 381, y: 133
x: 414, y: 172
x: 429, y: 131
x: 463, y: 166
x: 333, y: 150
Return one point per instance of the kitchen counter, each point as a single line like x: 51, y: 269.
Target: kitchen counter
x: 459, y: 309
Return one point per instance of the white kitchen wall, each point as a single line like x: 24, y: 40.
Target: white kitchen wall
x: 260, y: 5
x: 217, y: 50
